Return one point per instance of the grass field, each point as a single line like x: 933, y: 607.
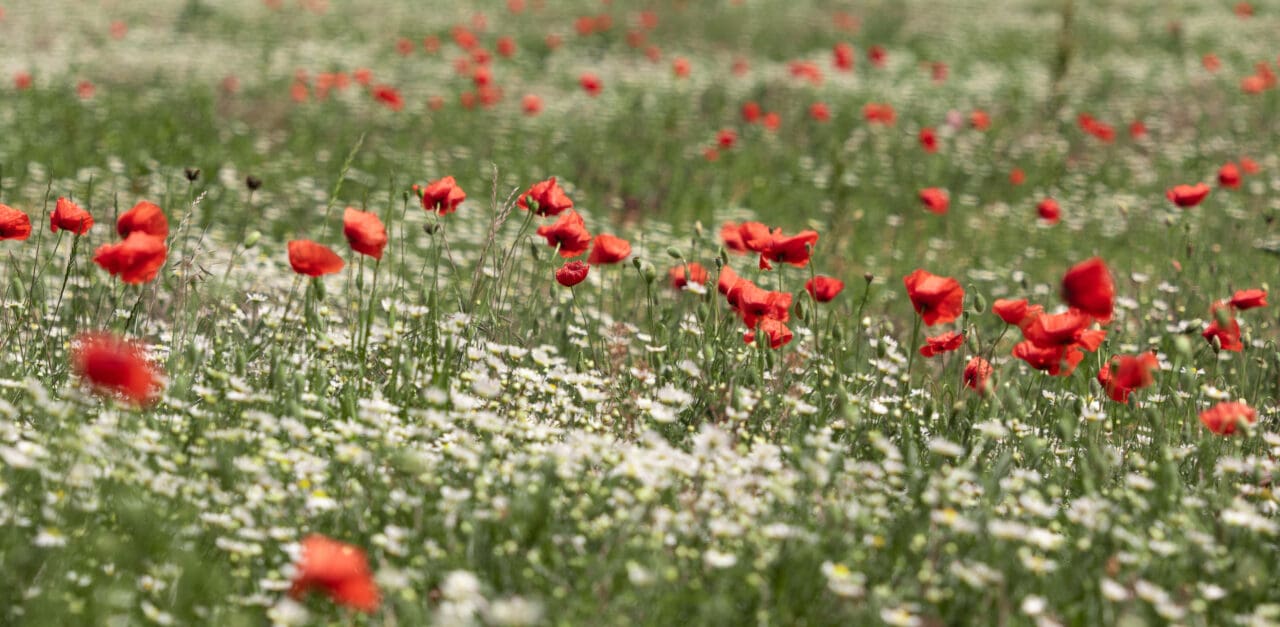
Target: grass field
x: 438, y: 429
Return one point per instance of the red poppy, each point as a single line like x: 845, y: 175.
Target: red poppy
x: 1187, y: 195
x: 980, y: 120
x: 608, y: 249
x: 740, y: 67
x: 1056, y: 360
x: 339, y: 570
x: 549, y: 196
x: 482, y: 76
x: 806, y: 70
x: 363, y: 76
x: 68, y: 216
x: 404, y: 46
x: 365, y: 232
x: 1211, y: 62
x: 572, y: 273
x: 937, y: 299
x: 731, y: 235
x: 569, y: 233
x: 388, y: 96
x: 1125, y: 373
x: 1088, y: 286
x: 681, y: 67
x: 940, y: 344
x: 771, y: 121
x: 22, y: 81
x: 751, y: 112
x: 1253, y: 84
x: 464, y: 37
x: 878, y: 56
x: 1224, y: 329
x: 1224, y: 417
x: 1049, y: 210
x: 793, y: 249
x: 843, y: 56
x: 114, y: 365
x: 506, y: 46
x: 938, y: 72
x: 710, y: 154
x: 726, y: 283
x: 824, y: 289
x: 431, y: 44
x: 935, y: 200
x: 755, y: 236
x: 755, y: 304
x: 693, y: 272
x: 1229, y: 176
x: 591, y: 84
x: 443, y: 196
x: 137, y: 259
x: 85, y: 90
x: 144, y: 217
x: 1017, y: 176
x: 779, y: 334
x: 879, y: 113
x: 1063, y: 330
x: 1243, y: 10
x: 1249, y: 299
x: 820, y: 112
x: 1016, y: 312
x: 14, y: 224
x: 531, y: 104
x: 1249, y: 166
x: 929, y: 139
x: 977, y: 374
x: 1095, y: 127
x: 312, y: 259
x: 726, y: 138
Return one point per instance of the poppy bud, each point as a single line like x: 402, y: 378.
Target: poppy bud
x: 800, y: 309
x: 720, y: 261
x: 648, y: 271
x: 868, y: 277
x: 979, y: 303
x: 431, y: 228
x: 674, y: 254
x: 192, y: 174
x: 1183, y: 345
x: 252, y: 238
x: 697, y: 228
x: 319, y: 285
x: 533, y: 250
x: 253, y: 183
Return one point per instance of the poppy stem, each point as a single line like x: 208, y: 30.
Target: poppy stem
x: 911, y: 356
x: 71, y: 259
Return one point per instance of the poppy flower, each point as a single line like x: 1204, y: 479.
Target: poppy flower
x: 14, y: 224
x: 572, y: 273
x: 879, y: 113
x: 68, y: 216
x: 977, y: 374
x: 710, y: 154
x: 431, y: 44
x: 549, y: 195
x: 1211, y: 62
x: 388, y: 96
x: 144, y: 217
x: 339, y: 570
x: 1243, y: 10
x: 1016, y: 312
x: 1229, y: 176
x: 404, y: 46
x: 726, y: 283
x: 591, y: 84
x: 726, y: 138
x: 1069, y: 329
x: 1187, y: 195
x: 938, y: 72
x: 935, y: 200
x: 312, y: 259
x: 1224, y: 417
x: 755, y: 304
x: 363, y: 76
x: 751, y: 112
x: 779, y: 334
x: 740, y: 67
x: 940, y: 344
x: 531, y: 104
x: 137, y: 259
x: 443, y: 196
x: 806, y: 70
x: 1249, y: 299
x: 878, y: 56
x: 843, y: 56
x: 568, y: 233
x: 771, y: 121
x: 1095, y: 127
x: 1049, y: 210
x: 1126, y: 373
x: 1088, y: 286
x: 116, y: 366
x: 1055, y: 360
x: 22, y: 81
x: 1249, y: 166
x: 365, y: 232
x: 731, y: 235
x: 980, y: 120
x: 693, y: 272
x: 792, y: 249
x: 1225, y: 330
x: 506, y: 46
x: 681, y: 67
x: 937, y: 299
x: 608, y: 249
x: 824, y: 289
x: 820, y: 112
x: 85, y: 90
x: 1017, y: 176
x: 1253, y: 84
x: 929, y: 139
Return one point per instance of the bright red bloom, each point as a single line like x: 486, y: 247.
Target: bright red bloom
x: 879, y: 113
x: 68, y: 216
x: 388, y: 96
x: 940, y: 344
x: 843, y: 56
x: 1187, y: 195
x: 806, y: 70
x: 977, y: 374
x: 1243, y: 10
x: 144, y: 217
x: 608, y: 249
x: 339, y: 570
x: 824, y: 289
x: 980, y: 120
x: 572, y: 273
x: 404, y: 46
x: 1249, y: 166
x: 591, y: 84
x: 1069, y: 328
x: 1125, y: 373
x: 114, y: 365
x: 727, y: 282
x: 1224, y: 417
x: 22, y: 81
x: 137, y: 259
x: 14, y: 224
x: 549, y: 195
x: 937, y: 299
x: 755, y: 304
x: 1229, y: 176
x: 363, y: 76
x: 1097, y: 128
x: 793, y: 249
x: 878, y: 56
x: 726, y: 138
x: 1049, y: 210
x: 312, y: 259
x: 771, y: 121
x: 443, y: 196
x: 1017, y: 176
x: 506, y: 46
x: 1249, y: 299
x: 779, y: 334
x: 1016, y: 312
x: 754, y: 236
x: 569, y: 233
x: 531, y: 104
x: 681, y: 67
x: 693, y: 272
x: 820, y: 112
x: 1088, y: 286
x: 929, y: 139
x: 935, y: 200
x: 85, y: 90
x: 751, y: 112
x: 1224, y: 329
x: 731, y: 235
x: 1056, y: 360
x: 365, y: 232
x: 1211, y: 62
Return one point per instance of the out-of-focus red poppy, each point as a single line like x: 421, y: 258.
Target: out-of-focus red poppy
x: 114, y: 365
x: 339, y: 570
x: 608, y: 249
x: 726, y: 138
x: 1049, y: 211
x: 531, y: 104
x: 929, y: 139
x: 443, y: 195
x: 1224, y: 418
x: 681, y: 67
x: 549, y: 196
x: 1229, y: 176
x: 506, y: 47
x: 751, y: 112
x: 404, y: 46
x: 435, y: 103
x: 22, y: 81
x: 935, y: 200
x: 791, y: 249
x: 1088, y: 286
x: 85, y: 90
x: 136, y: 259
x: 779, y: 334
x: 692, y: 272
x: 1017, y: 176
x: 1137, y: 129
x: 312, y: 259
x: 230, y: 84
x: 572, y: 273
x: 940, y: 344
x: 937, y: 299
x: 591, y: 84
x: 740, y: 67
x: 364, y: 232
x: 1126, y: 373
x: 553, y: 41
x: 1249, y: 299
x: 389, y: 97
x: 731, y: 235
x: 980, y: 120
x: 1211, y: 62
x: 144, y: 217
x: 569, y: 233
x: 879, y: 113
x: 977, y: 374
x: 771, y: 121
x: 1223, y: 331
x: 938, y: 71
x: 824, y: 289
x: 431, y: 44
x: 878, y: 56
x: 1249, y: 166
x: 806, y: 70
x: 68, y: 216
x: 820, y: 112
x: 1243, y: 10
x: 1018, y: 313
x: 464, y: 37
x: 1187, y: 195
x: 14, y: 224
x: 1096, y: 127
x: 711, y: 154
x: 843, y: 56
x: 363, y: 76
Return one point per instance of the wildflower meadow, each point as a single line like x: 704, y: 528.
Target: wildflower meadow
x: 639, y: 312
